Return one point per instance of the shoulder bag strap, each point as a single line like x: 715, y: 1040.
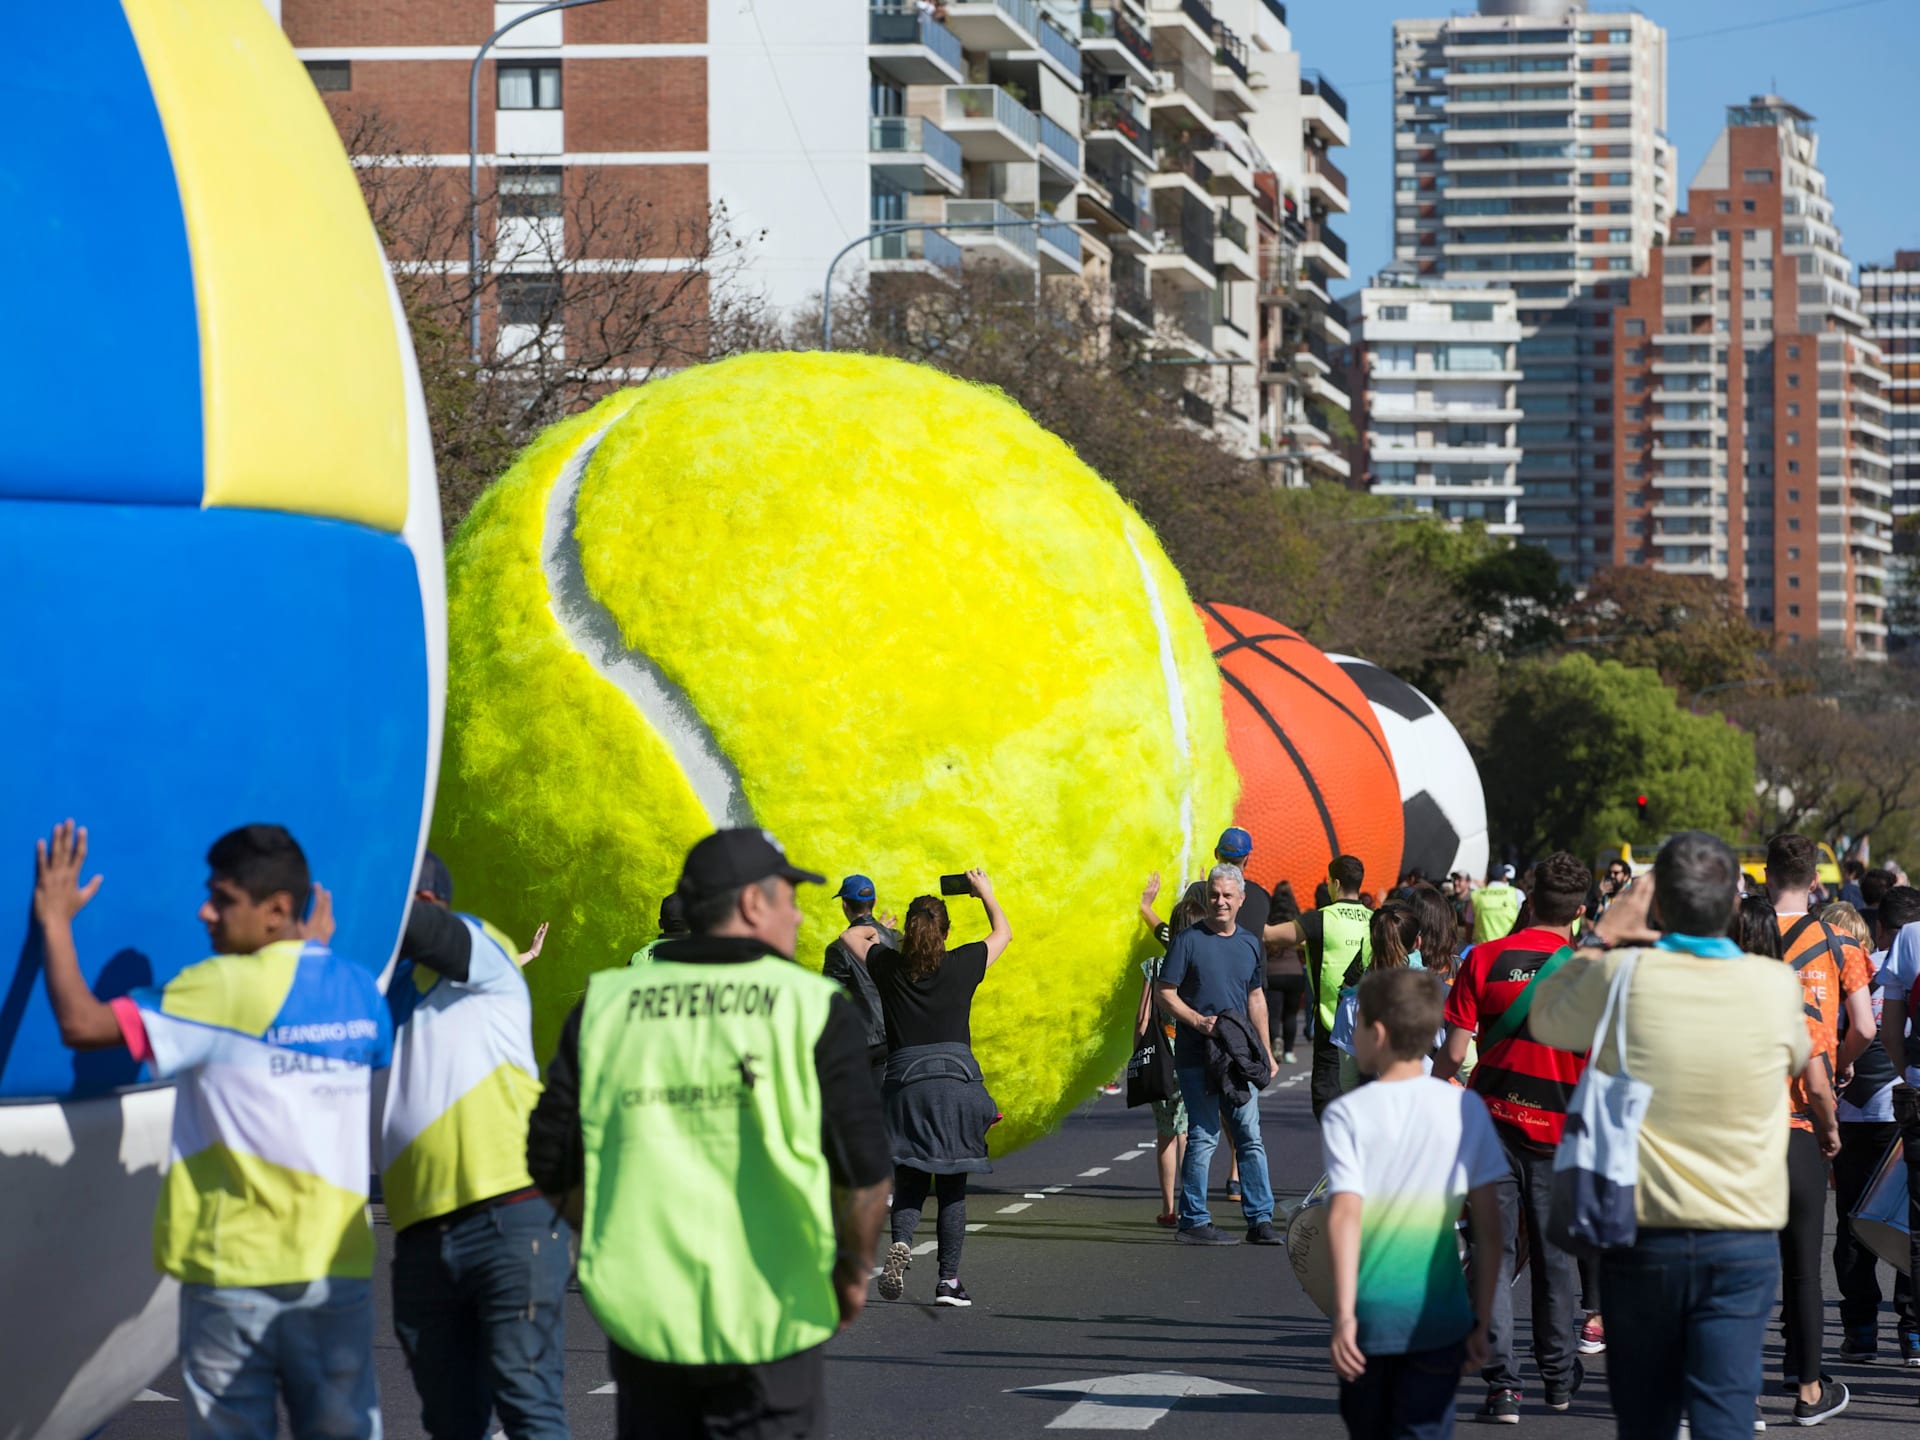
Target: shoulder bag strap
x: 1616, y: 1007
x: 1515, y: 1015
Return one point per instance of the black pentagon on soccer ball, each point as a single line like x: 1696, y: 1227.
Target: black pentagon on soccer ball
x: 1432, y: 842
x: 1386, y: 689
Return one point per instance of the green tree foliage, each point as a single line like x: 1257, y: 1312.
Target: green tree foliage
x: 1575, y: 741
x: 1685, y: 626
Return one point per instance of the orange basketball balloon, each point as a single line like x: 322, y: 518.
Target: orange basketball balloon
x: 1316, y: 779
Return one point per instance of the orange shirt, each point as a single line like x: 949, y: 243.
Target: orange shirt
x: 1832, y: 965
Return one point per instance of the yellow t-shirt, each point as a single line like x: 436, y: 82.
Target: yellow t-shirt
x: 1717, y: 1039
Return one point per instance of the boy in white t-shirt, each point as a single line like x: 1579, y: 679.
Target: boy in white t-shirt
x: 1403, y: 1155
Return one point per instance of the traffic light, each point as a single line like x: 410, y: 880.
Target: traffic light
x: 1640, y: 808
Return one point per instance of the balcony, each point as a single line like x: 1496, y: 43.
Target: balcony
x: 1124, y: 199
x: 1109, y: 122
x: 1060, y: 48
x: 995, y: 24
x: 1324, y: 109
x: 1196, y: 409
x: 1059, y: 247
x: 908, y: 46
x: 1232, y: 255
x: 1184, y: 101
x: 1187, y: 24
x: 1132, y: 294
x: 1185, y: 257
x: 990, y: 124
x: 1231, y: 173
x: 1006, y: 241
x: 1183, y: 171
x: 1232, y: 80
x: 1326, y: 182
x: 914, y: 153
x: 1116, y: 44
x: 1322, y: 244
x: 923, y: 251
x: 1059, y: 148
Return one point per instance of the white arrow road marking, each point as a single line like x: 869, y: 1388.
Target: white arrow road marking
x: 1013, y: 1209
x: 1130, y: 1155
x: 1127, y: 1402
x: 607, y: 1389
x: 1096, y: 1170
x: 151, y: 1395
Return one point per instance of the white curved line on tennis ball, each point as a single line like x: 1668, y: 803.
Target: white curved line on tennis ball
x: 1176, y: 704
x: 594, y: 634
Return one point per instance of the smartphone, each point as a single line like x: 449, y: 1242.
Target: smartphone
x: 955, y: 885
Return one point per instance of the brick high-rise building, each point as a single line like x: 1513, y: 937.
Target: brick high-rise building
x: 1530, y: 153
x: 1890, y: 299
x: 1750, y: 402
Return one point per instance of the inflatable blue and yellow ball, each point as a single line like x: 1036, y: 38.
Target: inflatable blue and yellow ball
x: 220, y: 571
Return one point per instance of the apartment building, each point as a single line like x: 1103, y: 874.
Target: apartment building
x: 1890, y: 299
x: 1530, y: 153
x: 1437, y: 365
x: 1752, y: 403
x: 1109, y: 145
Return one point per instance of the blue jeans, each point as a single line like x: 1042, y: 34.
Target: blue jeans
x: 310, y: 1343
x: 1686, y: 1316
x: 479, y: 1304
x: 1404, y: 1397
x: 1203, y: 1133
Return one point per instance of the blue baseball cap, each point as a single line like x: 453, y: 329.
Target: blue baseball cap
x: 855, y: 887
x: 1235, y: 844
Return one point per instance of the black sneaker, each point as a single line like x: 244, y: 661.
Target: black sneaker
x: 1206, y: 1235
x: 951, y: 1292
x: 1261, y: 1232
x: 1861, y: 1345
x: 1502, y: 1408
x: 1561, y: 1399
x: 893, y: 1275
x: 1833, y: 1399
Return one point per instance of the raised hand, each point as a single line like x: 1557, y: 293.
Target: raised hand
x: 58, y: 895
x: 318, y: 926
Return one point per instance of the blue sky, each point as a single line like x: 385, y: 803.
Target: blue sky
x: 1852, y: 65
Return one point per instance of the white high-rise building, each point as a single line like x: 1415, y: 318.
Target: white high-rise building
x: 1440, y: 366
x: 1530, y: 153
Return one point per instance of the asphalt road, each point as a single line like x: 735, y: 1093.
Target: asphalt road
x: 1073, y: 1283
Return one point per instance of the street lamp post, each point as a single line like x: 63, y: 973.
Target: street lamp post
x: 826, y: 292
x: 473, y: 160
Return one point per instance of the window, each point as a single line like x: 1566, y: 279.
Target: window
x: 530, y: 299
x: 530, y: 191
x: 330, y: 74
x: 1793, y: 468
x: 1793, y: 552
x: 530, y: 87
x: 1793, y: 410
x: 1757, y: 177
x: 1793, y: 437
x: 1793, y: 582
x: 1748, y: 235
x: 1636, y: 327
x: 1747, y: 207
x: 1793, y: 381
x: 1466, y: 310
x: 1721, y: 207
x: 1793, y: 522
x: 1793, y: 352
x: 1393, y: 312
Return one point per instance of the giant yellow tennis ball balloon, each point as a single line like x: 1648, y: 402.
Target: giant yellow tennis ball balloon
x: 872, y: 608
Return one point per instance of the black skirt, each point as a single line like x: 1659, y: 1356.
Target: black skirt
x: 938, y: 1110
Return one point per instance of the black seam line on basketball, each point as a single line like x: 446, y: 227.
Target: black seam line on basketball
x: 1306, y: 775
x: 1252, y: 643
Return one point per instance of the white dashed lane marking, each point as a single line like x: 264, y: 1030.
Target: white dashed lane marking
x: 607, y: 1389
x: 1129, y: 1155
x: 981, y: 1226
x: 1056, y: 1189
x: 1096, y: 1170
x: 926, y: 1247
x: 1013, y: 1209
x: 149, y: 1396
x: 1035, y: 1195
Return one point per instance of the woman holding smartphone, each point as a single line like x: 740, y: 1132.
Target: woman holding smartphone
x: 938, y: 1109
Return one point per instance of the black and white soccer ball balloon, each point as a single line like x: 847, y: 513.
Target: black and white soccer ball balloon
x: 1440, y: 791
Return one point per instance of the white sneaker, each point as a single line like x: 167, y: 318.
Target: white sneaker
x: 893, y: 1275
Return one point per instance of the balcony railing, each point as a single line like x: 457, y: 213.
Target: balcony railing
x: 1199, y: 13
x: 1062, y: 237
x: 911, y: 134
x: 1317, y: 275
x: 1113, y: 22
x: 990, y: 102
x: 1186, y: 162
x: 1129, y: 203
x: 1278, y: 10
x: 1315, y: 85
x: 1321, y: 235
x: 1107, y: 113
x: 1131, y: 291
x: 928, y: 245
x: 1021, y: 237
x: 1232, y: 229
x: 1320, y: 164
x: 900, y: 22
x: 1195, y: 408
x: 1057, y: 43
x: 1060, y: 140
x: 1194, y: 237
x: 1230, y: 50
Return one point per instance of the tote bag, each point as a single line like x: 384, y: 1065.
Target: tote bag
x: 1597, y: 1167
x: 1150, y: 1074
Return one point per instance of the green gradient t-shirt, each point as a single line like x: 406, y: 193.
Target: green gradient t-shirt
x: 1411, y: 1150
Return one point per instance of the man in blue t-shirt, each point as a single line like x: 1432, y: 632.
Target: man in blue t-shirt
x: 1212, y: 969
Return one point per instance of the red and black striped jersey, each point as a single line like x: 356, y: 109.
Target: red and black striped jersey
x: 1526, y: 1085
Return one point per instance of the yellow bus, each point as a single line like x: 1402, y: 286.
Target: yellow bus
x: 1753, y: 860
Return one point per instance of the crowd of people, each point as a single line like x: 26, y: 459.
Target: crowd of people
x: 1453, y: 1030
x: 1460, y: 1037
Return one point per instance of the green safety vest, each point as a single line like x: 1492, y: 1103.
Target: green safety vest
x: 1494, y: 910
x: 708, y: 1233
x: 1345, y: 932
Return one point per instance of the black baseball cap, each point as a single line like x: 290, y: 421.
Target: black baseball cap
x: 435, y: 878
x: 728, y: 859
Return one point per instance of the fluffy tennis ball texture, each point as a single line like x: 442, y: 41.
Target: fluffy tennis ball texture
x: 874, y: 609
